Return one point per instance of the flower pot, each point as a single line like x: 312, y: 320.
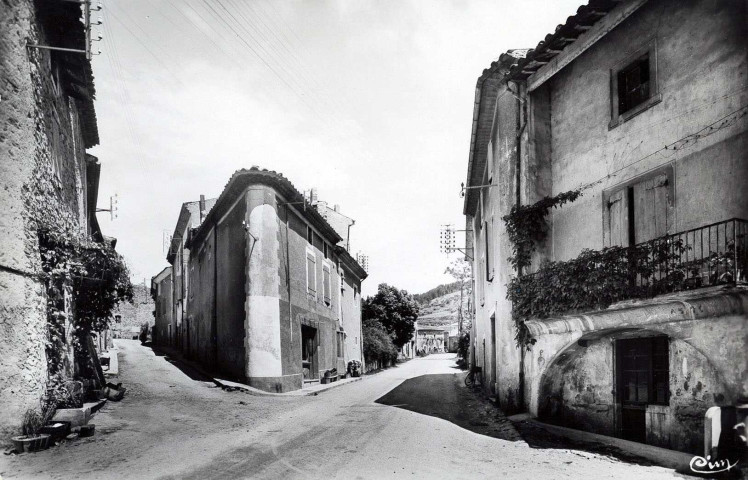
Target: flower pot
x: 31, y: 443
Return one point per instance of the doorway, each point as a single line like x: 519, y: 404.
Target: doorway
x: 643, y: 369
x: 309, y: 347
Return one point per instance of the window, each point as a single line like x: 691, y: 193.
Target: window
x: 342, y: 281
x: 639, y: 210
x: 325, y: 250
x: 634, y: 85
x: 326, y: 287
x: 311, y: 271
x: 309, y: 235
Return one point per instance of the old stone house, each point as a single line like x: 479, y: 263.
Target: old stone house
x: 640, y: 105
x: 191, y: 215
x: 129, y: 317
x: 162, y: 292
x: 272, y: 296
x: 47, y: 122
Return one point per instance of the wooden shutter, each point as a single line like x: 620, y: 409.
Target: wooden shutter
x: 311, y: 281
x: 326, y: 284
x: 651, y: 209
x: 618, y: 220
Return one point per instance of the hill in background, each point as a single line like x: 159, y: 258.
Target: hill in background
x: 440, y: 305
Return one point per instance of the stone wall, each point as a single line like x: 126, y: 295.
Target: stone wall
x: 136, y: 313
x: 43, y: 172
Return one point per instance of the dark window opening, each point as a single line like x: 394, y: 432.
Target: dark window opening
x: 309, y: 235
x: 633, y: 84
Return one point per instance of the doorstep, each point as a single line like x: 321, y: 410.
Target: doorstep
x: 678, y: 461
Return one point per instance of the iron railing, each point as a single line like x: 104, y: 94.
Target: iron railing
x: 715, y: 254
x: 710, y: 255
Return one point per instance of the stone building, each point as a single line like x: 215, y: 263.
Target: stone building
x: 271, y: 297
x: 129, y: 317
x: 191, y: 215
x: 641, y: 106
x: 162, y: 292
x: 49, y: 181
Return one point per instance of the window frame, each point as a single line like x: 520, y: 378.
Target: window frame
x: 666, y: 170
x: 655, y: 96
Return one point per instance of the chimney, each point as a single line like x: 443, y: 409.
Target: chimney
x: 202, y: 208
x: 336, y: 208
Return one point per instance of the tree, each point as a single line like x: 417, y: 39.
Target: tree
x: 460, y: 270
x: 395, y: 310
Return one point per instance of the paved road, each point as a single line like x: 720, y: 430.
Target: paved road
x: 398, y: 423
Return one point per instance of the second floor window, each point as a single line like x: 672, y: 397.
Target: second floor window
x: 633, y: 84
x: 309, y: 235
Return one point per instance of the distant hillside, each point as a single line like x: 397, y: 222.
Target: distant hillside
x: 442, y: 310
x: 425, y: 298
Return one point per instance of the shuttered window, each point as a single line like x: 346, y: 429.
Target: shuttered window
x: 326, y: 284
x: 638, y: 213
x: 650, y: 209
x: 618, y: 219
x: 311, y: 280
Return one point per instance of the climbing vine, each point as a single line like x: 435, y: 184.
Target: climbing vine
x: 526, y: 226
x: 95, y: 278
x: 596, y: 279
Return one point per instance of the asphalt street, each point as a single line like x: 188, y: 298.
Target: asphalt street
x: 416, y: 420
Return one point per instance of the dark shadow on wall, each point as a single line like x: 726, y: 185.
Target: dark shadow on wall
x: 445, y: 396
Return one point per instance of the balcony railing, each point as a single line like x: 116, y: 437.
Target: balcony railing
x: 714, y: 254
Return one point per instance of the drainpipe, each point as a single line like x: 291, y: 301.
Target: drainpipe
x: 520, y: 125
x: 288, y: 282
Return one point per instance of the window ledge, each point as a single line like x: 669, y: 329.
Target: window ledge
x: 647, y: 104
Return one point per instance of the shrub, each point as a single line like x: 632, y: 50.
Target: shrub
x: 378, y: 345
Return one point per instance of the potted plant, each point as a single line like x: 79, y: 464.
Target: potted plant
x: 31, y: 440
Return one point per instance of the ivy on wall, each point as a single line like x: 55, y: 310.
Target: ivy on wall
x: 526, y: 226
x: 96, y: 279
x: 595, y: 280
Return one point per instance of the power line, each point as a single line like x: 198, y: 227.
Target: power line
x: 682, y: 142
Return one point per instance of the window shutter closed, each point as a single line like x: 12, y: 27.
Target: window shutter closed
x: 618, y: 220
x: 326, y: 285
x: 310, y: 272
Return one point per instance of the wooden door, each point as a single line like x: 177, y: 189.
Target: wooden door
x: 642, y: 379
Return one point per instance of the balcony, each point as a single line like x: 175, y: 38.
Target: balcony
x: 715, y: 254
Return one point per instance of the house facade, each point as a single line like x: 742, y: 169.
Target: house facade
x: 49, y: 181
x: 162, y: 291
x: 191, y: 215
x: 271, y: 296
x: 641, y: 107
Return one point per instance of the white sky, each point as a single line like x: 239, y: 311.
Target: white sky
x: 368, y: 101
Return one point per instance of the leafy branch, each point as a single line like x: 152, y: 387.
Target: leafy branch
x: 526, y: 226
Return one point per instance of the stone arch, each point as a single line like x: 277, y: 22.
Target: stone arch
x: 577, y: 385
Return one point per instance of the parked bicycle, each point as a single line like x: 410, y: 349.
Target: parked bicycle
x: 474, y: 378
